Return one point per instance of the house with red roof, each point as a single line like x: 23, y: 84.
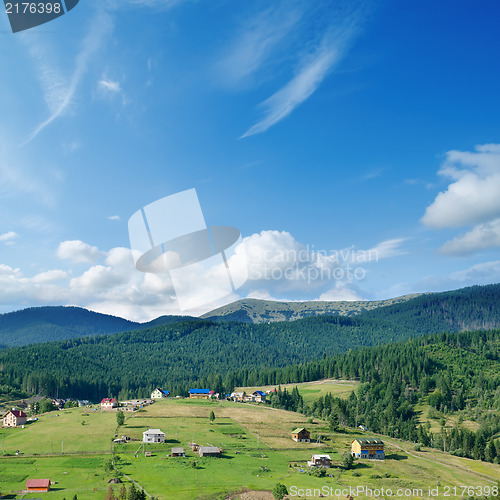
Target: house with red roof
x: 40, y: 485
x: 14, y: 418
x: 109, y: 404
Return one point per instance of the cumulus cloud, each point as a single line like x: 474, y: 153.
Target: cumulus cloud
x: 472, y: 196
x: 79, y: 252
x: 481, y: 237
x: 114, y: 217
x: 8, y: 238
x: 279, y: 263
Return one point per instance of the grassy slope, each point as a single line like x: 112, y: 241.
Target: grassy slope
x: 310, y: 391
x: 236, y: 429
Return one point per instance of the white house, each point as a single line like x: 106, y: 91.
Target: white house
x: 159, y: 394
x: 153, y: 436
x: 14, y: 418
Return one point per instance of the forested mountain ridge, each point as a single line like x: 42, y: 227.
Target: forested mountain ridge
x: 465, y: 309
x: 179, y: 354
x: 45, y: 324
x: 472, y: 308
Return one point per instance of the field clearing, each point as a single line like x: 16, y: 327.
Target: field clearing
x: 451, y: 420
x: 81, y: 476
x: 62, y: 430
x: 312, y: 390
x: 258, y: 453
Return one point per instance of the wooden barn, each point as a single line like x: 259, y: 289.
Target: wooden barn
x: 38, y: 485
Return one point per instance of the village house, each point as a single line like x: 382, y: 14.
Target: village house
x: 259, y: 396
x: 238, y: 396
x: 38, y: 485
x: 320, y: 461
x: 109, y: 404
x: 209, y: 451
x: 200, y: 393
x: 368, y: 448
x: 301, y: 435
x: 178, y: 452
x: 159, y: 394
x: 14, y: 418
x: 153, y: 436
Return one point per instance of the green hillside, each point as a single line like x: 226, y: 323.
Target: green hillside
x: 472, y: 308
x: 257, y: 453
x: 44, y: 324
x: 178, y: 355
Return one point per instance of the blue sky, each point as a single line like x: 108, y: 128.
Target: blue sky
x: 324, y: 126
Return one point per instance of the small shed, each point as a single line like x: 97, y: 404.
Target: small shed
x: 178, y: 452
x: 39, y: 485
x: 209, y: 451
x: 301, y: 435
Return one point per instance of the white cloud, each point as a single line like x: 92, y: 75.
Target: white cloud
x: 114, y: 217
x: 473, y: 195
x: 9, y: 238
x: 256, y: 43
x: 280, y: 264
x: 342, y: 293
x: 50, y: 276
x: 295, y: 92
x: 479, y: 274
x: 110, y: 86
x: 79, y: 252
x: 313, y: 66
x: 481, y: 237
x: 59, y: 90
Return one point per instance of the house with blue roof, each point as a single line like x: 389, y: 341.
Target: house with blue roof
x: 200, y: 393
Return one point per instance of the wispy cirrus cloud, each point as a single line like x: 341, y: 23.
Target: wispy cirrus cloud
x: 313, y: 66
x: 59, y: 90
x: 256, y: 43
x: 109, y: 86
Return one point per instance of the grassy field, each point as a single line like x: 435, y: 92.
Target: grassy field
x: 311, y: 391
x: 257, y: 453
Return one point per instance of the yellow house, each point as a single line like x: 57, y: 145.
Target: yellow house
x: 368, y: 448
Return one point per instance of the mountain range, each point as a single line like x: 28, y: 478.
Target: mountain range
x: 469, y: 308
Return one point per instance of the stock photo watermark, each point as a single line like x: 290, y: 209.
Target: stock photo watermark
x: 309, y: 265
x: 24, y: 15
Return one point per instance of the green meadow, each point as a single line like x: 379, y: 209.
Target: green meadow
x: 310, y: 391
x: 257, y: 453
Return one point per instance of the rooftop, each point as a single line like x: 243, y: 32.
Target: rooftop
x: 153, y: 431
